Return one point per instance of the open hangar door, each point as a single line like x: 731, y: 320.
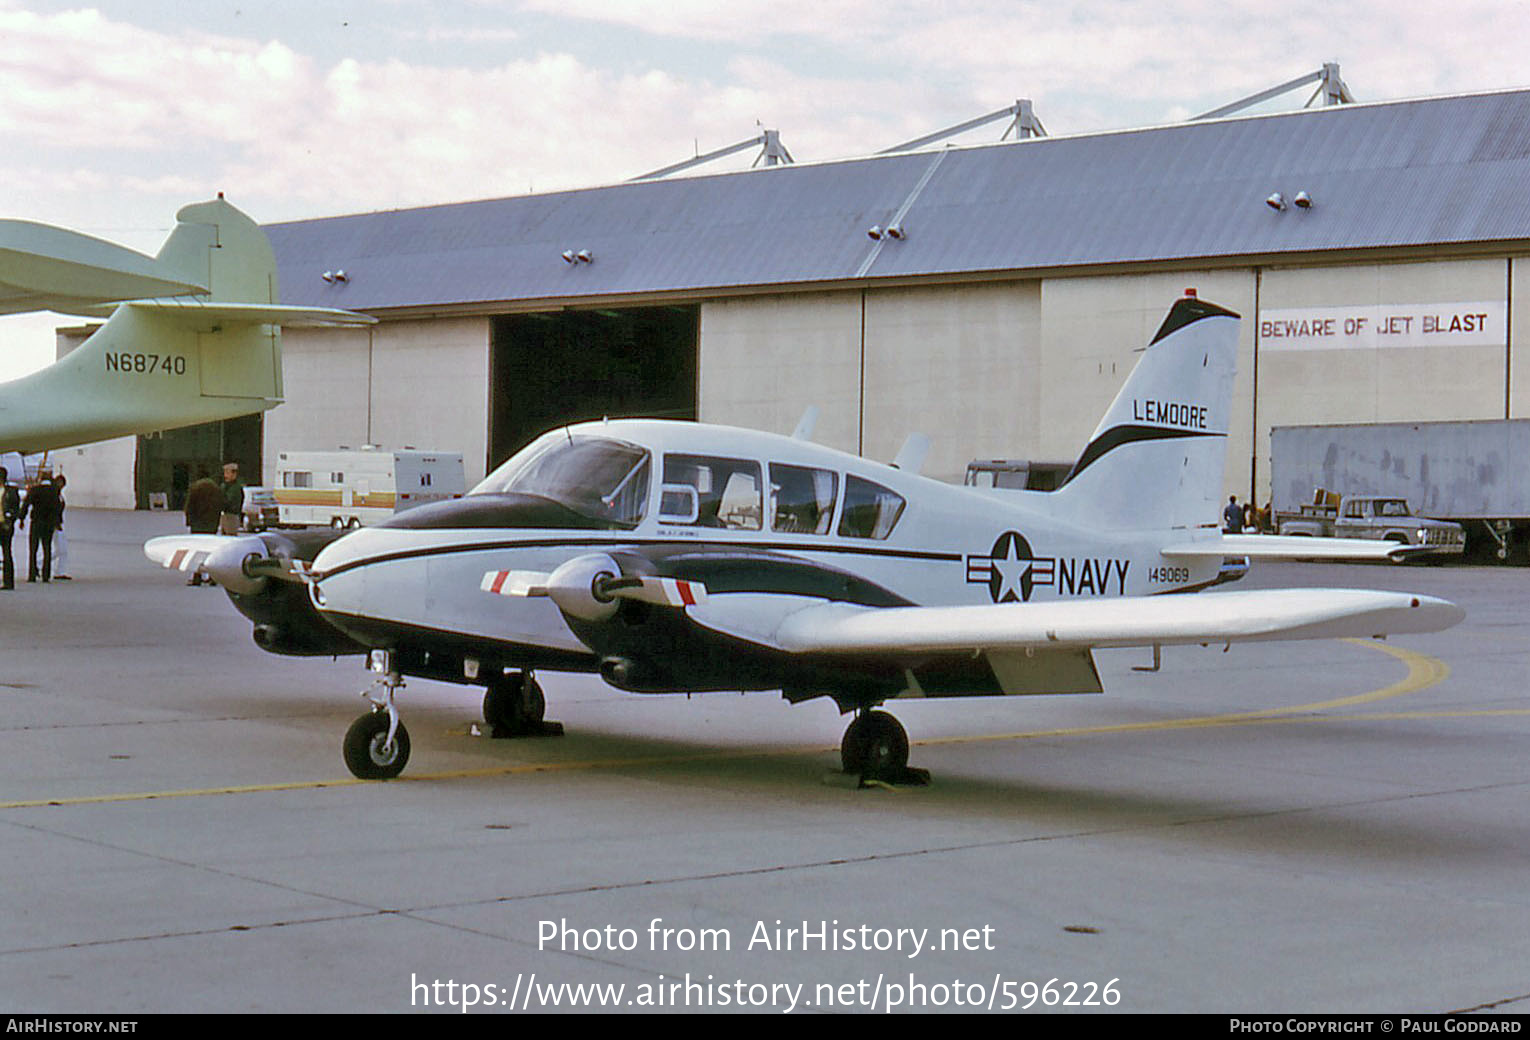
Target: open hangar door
x: 551, y: 369
x: 170, y: 460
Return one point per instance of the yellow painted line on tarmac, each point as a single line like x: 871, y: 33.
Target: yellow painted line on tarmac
x: 149, y: 796
x: 1423, y: 672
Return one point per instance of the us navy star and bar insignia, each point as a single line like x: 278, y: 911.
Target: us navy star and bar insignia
x: 1012, y: 571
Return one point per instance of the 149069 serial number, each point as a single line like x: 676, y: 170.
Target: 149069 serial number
x: 146, y: 364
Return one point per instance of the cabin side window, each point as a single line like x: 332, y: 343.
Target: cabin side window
x: 802, y: 499
x: 709, y: 491
x: 871, y: 510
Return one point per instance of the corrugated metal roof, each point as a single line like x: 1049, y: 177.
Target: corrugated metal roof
x: 1401, y: 174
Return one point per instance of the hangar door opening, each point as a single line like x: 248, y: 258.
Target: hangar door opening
x: 550, y: 369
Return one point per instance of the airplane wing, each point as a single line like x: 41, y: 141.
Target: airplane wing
x: 587, y: 587
x: 1290, y: 547
x: 1225, y: 617
x: 50, y: 268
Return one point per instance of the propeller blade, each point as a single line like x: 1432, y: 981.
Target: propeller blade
x: 515, y: 583
x: 663, y: 592
x: 182, y: 552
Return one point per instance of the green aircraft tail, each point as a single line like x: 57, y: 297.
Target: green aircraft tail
x: 171, y: 361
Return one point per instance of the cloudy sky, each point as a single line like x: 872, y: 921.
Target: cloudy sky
x: 115, y: 114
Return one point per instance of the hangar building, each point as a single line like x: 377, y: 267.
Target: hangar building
x: 1387, y: 282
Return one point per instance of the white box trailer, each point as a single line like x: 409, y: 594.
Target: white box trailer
x: 1474, y: 472
x: 352, y: 487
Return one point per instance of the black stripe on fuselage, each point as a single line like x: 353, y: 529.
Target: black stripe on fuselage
x: 1118, y: 436
x: 617, y: 542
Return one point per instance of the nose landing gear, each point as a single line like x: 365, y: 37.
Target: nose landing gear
x: 376, y: 746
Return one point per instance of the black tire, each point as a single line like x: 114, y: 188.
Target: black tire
x: 874, y: 745
x: 364, y: 754
x: 514, y: 706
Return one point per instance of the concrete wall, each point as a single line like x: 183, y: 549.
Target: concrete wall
x: 100, y: 475
x: 958, y: 364
x: 1404, y: 375
x: 422, y: 384
x: 765, y: 359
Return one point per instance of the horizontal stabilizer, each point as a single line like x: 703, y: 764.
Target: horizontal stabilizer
x: 1289, y: 547
x: 1230, y: 617
x: 200, y: 311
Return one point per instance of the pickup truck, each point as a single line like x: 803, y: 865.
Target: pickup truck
x: 1382, y: 517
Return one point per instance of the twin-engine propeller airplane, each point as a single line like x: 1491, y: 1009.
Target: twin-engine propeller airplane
x: 193, y: 333
x: 681, y: 557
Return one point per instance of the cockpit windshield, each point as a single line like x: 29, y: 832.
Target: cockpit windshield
x: 596, y: 477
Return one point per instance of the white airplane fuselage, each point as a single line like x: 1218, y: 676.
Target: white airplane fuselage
x: 947, y: 545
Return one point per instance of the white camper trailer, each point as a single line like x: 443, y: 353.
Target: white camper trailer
x: 350, y: 487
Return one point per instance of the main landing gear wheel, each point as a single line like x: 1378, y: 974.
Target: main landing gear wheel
x: 369, y: 755
x: 875, y: 747
x: 514, y: 706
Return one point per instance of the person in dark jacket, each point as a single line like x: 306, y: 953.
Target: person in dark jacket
x: 233, y: 499
x: 46, y: 507
x: 1232, y: 516
x: 10, y: 509
x: 204, y: 508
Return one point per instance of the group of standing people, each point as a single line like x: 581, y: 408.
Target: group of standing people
x: 213, y: 508
x: 1244, y: 519
x: 44, y: 502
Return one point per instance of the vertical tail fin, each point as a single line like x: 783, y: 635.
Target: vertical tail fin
x: 216, y: 245
x: 1157, y: 458
x: 157, y: 366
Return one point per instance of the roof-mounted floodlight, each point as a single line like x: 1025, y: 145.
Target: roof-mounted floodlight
x: 328, y: 276
x: 341, y: 276
x: 895, y: 231
x: 874, y: 232
x: 1303, y: 200
x: 569, y: 257
x: 1276, y: 201
x: 584, y: 256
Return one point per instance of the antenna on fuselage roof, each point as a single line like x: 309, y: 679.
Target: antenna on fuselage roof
x: 805, y: 425
x: 911, y: 456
